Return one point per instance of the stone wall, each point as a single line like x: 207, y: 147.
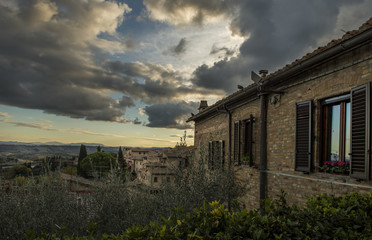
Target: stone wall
x: 335, y: 77
x: 212, y: 129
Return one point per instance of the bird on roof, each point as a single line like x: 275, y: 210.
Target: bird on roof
x: 240, y: 87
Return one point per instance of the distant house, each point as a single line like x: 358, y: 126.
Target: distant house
x: 135, y: 158
x: 282, y: 131
x: 156, y: 174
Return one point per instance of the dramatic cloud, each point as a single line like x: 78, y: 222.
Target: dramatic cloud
x: 47, y: 52
x: 170, y: 115
x: 179, y: 49
x: 276, y: 32
x: 187, y: 11
x: 75, y: 58
x: 159, y: 83
x: 54, y: 57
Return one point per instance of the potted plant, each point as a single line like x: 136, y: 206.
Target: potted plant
x: 335, y: 167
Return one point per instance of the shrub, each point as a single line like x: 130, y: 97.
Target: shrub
x: 45, y: 204
x: 99, y: 163
x: 70, y: 170
x: 18, y: 170
x: 325, y: 217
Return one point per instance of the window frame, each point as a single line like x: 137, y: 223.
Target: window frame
x: 243, y: 140
x: 326, y: 122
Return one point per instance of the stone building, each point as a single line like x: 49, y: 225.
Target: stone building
x: 285, y: 129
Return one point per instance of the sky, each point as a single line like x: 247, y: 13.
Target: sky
x: 131, y: 72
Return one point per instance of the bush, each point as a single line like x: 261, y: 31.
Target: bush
x: 325, y: 217
x: 18, y: 170
x: 99, y: 163
x: 70, y: 170
x: 44, y: 204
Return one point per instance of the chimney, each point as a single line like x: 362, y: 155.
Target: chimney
x: 263, y: 73
x: 203, y: 105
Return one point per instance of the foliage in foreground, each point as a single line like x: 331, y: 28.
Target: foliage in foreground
x: 46, y: 204
x: 324, y: 217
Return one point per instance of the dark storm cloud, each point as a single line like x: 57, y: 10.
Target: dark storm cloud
x: 179, y: 49
x: 46, y: 62
x: 160, y: 84
x: 170, y: 115
x: 227, y: 52
x: 276, y: 32
x: 51, y: 59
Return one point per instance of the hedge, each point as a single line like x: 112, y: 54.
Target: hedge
x: 324, y: 217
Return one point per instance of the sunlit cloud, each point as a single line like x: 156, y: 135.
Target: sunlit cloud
x: 5, y: 115
x: 49, y: 127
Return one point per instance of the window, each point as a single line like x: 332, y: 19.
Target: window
x: 336, y: 129
x: 216, y: 154
x: 345, y: 132
x: 155, y: 179
x: 243, y: 142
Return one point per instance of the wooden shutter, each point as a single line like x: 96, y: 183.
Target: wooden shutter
x: 303, y: 136
x: 247, y: 129
x: 222, y: 153
x: 210, y: 155
x: 237, y: 143
x: 360, y: 132
x: 250, y: 140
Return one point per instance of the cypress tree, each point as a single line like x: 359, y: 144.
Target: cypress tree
x: 82, y: 155
x: 121, y: 159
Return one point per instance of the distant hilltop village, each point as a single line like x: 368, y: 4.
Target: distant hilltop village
x: 149, y: 167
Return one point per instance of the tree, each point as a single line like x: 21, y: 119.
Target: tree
x: 121, y: 160
x: 98, y: 162
x: 99, y: 148
x: 83, y: 153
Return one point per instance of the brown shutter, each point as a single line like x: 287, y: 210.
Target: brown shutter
x: 360, y: 131
x: 210, y: 155
x: 303, y: 136
x: 250, y: 140
x: 237, y: 143
x: 222, y: 153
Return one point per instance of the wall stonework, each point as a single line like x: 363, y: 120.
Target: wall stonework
x: 212, y: 129
x: 333, y: 78
x: 281, y: 127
